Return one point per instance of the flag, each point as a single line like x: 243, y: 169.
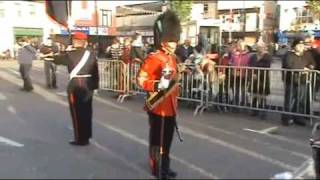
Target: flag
x: 58, y: 11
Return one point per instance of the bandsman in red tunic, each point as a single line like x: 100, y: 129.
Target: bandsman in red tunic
x: 158, y: 76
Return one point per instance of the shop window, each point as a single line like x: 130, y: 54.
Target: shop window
x: 303, y: 15
x: 205, y: 8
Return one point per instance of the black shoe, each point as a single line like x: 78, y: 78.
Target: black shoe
x: 29, y: 89
x: 254, y: 113
x: 300, y: 122
x: 172, y: 174
x: 80, y: 143
x: 22, y: 89
x: 26, y: 89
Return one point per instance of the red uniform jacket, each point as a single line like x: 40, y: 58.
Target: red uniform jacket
x: 150, y: 75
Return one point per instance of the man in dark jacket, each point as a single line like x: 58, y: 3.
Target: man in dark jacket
x: 297, y: 96
x: 26, y: 54
x: 84, y: 78
x: 137, y: 54
x: 184, y: 51
x: 47, y: 50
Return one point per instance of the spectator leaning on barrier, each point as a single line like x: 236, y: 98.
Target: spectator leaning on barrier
x: 26, y: 54
x: 184, y: 50
x: 137, y: 54
x: 126, y: 59
x: 240, y: 58
x: 297, y: 96
x: 260, y: 82
x: 115, y: 51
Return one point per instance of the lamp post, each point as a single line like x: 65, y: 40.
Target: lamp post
x: 97, y: 18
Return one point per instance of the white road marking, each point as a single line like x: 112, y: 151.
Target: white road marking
x: 107, y: 150
x: 10, y: 142
x: 112, y: 104
x: 2, y: 97
x: 54, y: 98
x: 212, y: 140
x: 145, y: 143
x: 14, y: 71
x: 119, y: 157
x: 70, y: 128
x: 44, y: 93
x: 64, y: 94
x: 255, y: 131
x: 281, y: 138
x: 270, y: 130
x: 307, y: 168
x: 238, y: 149
x: 12, y: 109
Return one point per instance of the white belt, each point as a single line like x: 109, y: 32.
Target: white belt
x: 82, y: 76
x: 84, y: 59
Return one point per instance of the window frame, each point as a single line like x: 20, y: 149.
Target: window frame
x: 106, y: 17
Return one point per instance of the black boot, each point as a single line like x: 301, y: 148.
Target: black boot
x: 154, y: 158
x: 169, y: 174
x: 300, y: 121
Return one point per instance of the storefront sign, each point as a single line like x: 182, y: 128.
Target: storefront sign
x: 101, y: 31
x: 74, y: 29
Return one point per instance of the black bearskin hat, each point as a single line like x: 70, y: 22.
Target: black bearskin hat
x: 166, y: 28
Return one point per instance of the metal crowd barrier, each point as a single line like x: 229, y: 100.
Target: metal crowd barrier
x: 288, y: 92
x: 112, y: 75
x: 132, y: 87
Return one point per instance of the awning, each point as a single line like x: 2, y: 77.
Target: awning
x: 20, y: 31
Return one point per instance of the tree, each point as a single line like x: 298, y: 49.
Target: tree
x: 182, y: 8
x: 314, y: 7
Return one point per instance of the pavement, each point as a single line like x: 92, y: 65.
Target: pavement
x: 35, y: 129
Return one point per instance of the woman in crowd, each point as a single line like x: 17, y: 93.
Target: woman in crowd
x: 260, y: 79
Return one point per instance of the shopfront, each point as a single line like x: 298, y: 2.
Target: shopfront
x: 34, y: 34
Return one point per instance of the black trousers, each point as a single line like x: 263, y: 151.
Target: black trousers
x: 80, y: 102
x: 297, y: 99
x: 25, y: 74
x: 50, y: 72
x: 155, y: 122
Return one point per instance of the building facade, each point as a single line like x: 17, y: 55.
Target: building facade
x: 248, y: 20
x: 296, y: 16
x: 23, y: 19
x: 28, y: 19
x: 140, y: 18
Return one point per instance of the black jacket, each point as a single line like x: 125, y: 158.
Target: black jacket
x: 293, y: 61
x: 263, y: 76
x: 72, y: 58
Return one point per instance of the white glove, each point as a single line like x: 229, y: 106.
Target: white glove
x: 69, y: 48
x: 164, y: 84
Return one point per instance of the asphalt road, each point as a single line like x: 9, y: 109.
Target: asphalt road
x: 35, y: 129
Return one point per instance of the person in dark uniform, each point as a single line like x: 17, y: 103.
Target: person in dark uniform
x: 47, y: 50
x: 158, y: 76
x: 84, y: 78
